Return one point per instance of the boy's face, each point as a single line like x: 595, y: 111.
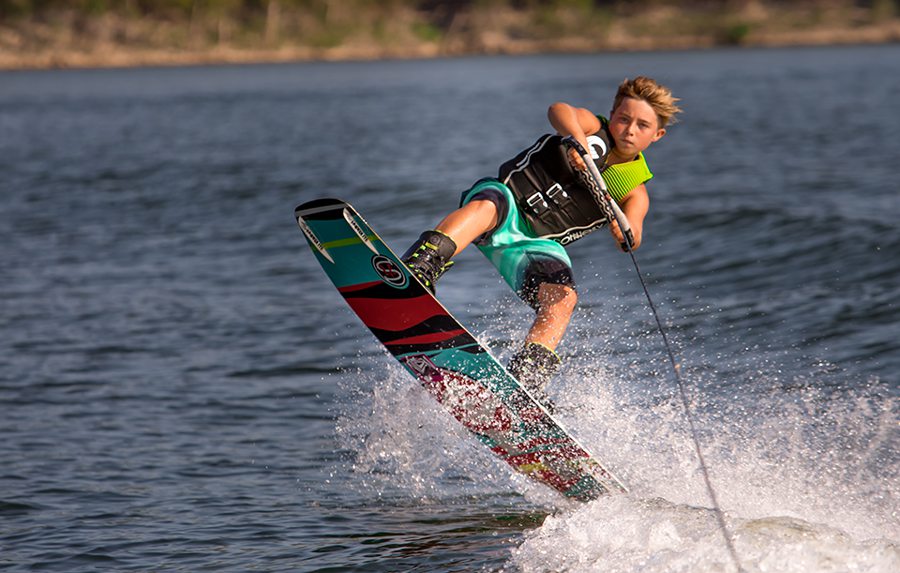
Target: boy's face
x: 634, y: 126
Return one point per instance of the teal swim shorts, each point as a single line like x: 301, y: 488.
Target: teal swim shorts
x: 523, y: 260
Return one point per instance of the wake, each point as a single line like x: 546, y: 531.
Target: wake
x: 807, y: 478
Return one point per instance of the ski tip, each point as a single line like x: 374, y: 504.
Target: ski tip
x: 318, y: 205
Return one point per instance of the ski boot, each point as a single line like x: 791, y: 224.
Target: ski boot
x: 533, y: 366
x: 429, y: 257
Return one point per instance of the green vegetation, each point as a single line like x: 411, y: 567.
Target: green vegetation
x: 128, y: 32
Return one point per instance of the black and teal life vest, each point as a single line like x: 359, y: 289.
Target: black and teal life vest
x: 550, y: 195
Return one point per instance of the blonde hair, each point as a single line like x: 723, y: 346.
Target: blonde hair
x: 658, y: 96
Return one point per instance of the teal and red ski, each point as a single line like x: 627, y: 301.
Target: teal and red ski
x: 443, y: 356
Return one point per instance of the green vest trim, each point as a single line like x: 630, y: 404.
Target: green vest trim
x: 622, y: 178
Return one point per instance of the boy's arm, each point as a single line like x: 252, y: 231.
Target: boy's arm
x: 575, y: 121
x: 635, y: 206
x: 580, y: 122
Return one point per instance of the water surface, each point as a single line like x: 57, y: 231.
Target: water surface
x: 182, y: 389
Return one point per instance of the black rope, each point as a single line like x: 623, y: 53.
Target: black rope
x: 676, y: 369
x: 613, y: 213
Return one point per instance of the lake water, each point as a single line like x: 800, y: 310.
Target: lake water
x: 182, y: 389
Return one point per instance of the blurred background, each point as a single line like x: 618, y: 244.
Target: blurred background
x: 62, y: 33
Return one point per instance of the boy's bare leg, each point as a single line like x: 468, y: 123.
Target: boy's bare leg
x: 469, y: 222
x: 537, y: 362
x: 556, y: 304
x: 429, y: 257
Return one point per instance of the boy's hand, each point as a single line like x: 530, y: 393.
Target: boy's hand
x: 575, y: 160
x: 634, y: 208
x: 616, y: 232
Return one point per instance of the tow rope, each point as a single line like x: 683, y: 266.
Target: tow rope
x: 614, y: 213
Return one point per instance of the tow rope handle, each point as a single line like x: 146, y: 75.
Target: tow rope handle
x: 611, y: 209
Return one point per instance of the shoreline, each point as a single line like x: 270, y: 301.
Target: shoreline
x: 119, y: 57
x: 110, y: 41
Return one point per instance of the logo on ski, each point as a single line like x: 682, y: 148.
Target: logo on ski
x: 421, y: 365
x: 476, y: 407
x: 389, y: 272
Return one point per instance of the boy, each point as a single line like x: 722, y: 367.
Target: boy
x: 540, y: 202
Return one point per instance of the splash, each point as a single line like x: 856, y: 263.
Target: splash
x: 807, y: 476
x: 626, y: 534
x: 807, y: 479
x: 403, y: 443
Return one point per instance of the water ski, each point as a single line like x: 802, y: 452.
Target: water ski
x: 444, y: 357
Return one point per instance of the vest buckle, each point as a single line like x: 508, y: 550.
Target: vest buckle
x: 536, y: 202
x: 555, y: 190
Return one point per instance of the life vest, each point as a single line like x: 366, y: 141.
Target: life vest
x: 550, y: 195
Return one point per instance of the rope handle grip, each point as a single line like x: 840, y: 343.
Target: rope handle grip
x: 605, y: 199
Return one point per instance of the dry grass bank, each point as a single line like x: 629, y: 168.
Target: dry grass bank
x: 363, y: 30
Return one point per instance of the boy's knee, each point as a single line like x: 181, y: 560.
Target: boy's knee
x: 482, y: 208
x: 570, y: 298
x: 557, y: 297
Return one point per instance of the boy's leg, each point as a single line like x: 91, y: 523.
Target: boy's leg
x: 469, y: 222
x: 536, y: 362
x: 429, y: 257
x: 555, y: 304
x: 538, y: 270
